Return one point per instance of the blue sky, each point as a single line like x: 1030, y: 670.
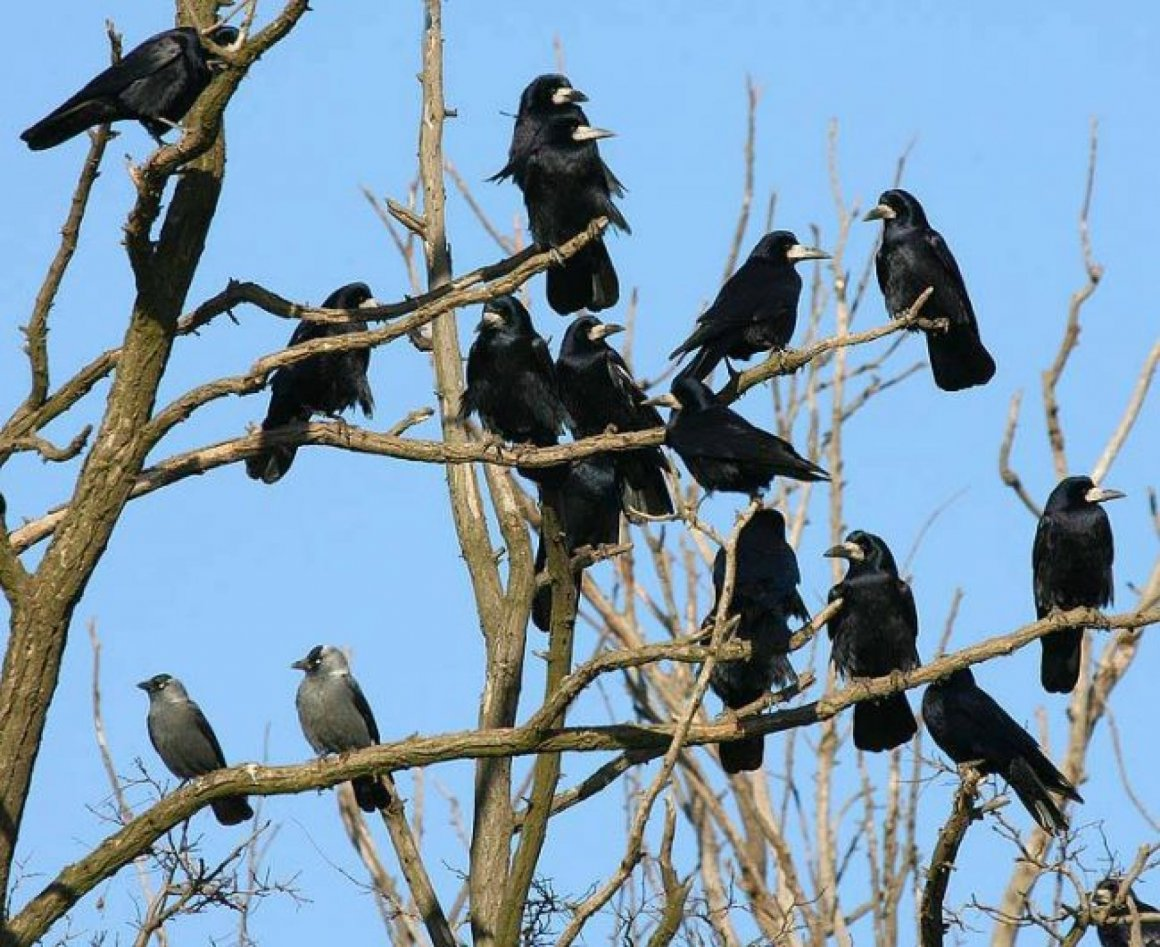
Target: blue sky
x: 223, y: 582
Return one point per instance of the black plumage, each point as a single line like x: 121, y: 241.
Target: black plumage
x: 725, y: 452
x: 1072, y: 565
x: 970, y: 727
x: 1118, y: 928
x: 756, y: 309
x: 588, y: 504
x: 600, y: 393
x: 912, y: 257
x: 328, y: 383
x: 545, y: 96
x: 156, y: 83
x: 186, y: 742
x: 566, y: 186
x: 874, y: 634
x: 336, y: 717
x: 765, y: 596
x: 512, y: 383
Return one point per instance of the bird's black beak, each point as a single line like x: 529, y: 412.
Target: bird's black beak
x: 568, y: 96
x: 881, y: 212
x: 144, y: 685
x: 588, y: 133
x: 603, y: 331
x: 301, y: 665
x: 1100, y: 495
x: 798, y: 252
x: 849, y: 551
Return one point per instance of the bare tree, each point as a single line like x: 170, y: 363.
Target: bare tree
x: 772, y: 852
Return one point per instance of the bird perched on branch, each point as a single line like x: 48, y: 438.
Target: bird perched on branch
x: 970, y: 727
x: 336, y: 717
x: 756, y: 309
x: 873, y: 634
x: 1072, y: 565
x: 725, y: 452
x: 589, y: 510
x: 186, y: 742
x: 156, y: 83
x: 600, y: 393
x: 913, y: 256
x: 765, y: 597
x: 1118, y: 928
x: 327, y: 383
x: 512, y: 383
x: 555, y: 161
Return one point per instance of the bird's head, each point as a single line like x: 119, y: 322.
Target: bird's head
x: 1074, y: 493
x: 163, y: 686
x: 781, y: 246
x: 899, y: 206
x: 323, y: 659
x: 692, y: 393
x: 547, y: 92
x: 505, y: 314
x: 586, y: 333
x: 226, y: 36
x: 861, y: 547
x: 1105, y: 893
x: 351, y: 296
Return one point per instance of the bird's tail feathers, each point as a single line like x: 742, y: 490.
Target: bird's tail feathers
x: 370, y: 794
x: 742, y: 756
x: 66, y: 122
x: 883, y: 724
x: 1059, y: 664
x: 958, y: 359
x: 644, y: 488
x: 587, y: 281
x: 1035, y: 797
x: 232, y: 809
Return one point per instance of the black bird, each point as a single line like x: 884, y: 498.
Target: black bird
x: 336, y: 717
x: 1117, y: 930
x: 589, y: 511
x: 599, y: 392
x: 156, y: 84
x: 1072, y: 564
x: 912, y: 257
x: 545, y: 96
x: 725, y: 452
x: 322, y: 384
x: 186, y: 742
x: 765, y: 596
x: 756, y: 309
x: 970, y: 727
x: 512, y: 383
x: 874, y: 634
x: 566, y: 186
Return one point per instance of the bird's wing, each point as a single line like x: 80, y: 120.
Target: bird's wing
x: 151, y: 56
x: 543, y: 366
x: 630, y: 393
x: 736, y: 304
x: 909, y: 610
x: 206, y: 731
x: 363, y: 708
x: 1042, y: 553
x: 719, y: 432
x: 956, y: 285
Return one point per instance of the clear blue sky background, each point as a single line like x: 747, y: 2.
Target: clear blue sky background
x: 224, y: 582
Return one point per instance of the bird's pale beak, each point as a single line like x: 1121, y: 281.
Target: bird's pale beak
x: 588, y: 133
x: 1100, y: 495
x: 300, y: 665
x: 603, y: 331
x: 566, y: 96
x: 370, y: 303
x: 667, y: 400
x: 881, y: 212
x: 490, y: 318
x: 851, y: 551
x: 799, y: 252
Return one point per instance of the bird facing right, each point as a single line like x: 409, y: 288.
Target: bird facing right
x: 913, y: 256
x: 186, y: 743
x: 765, y: 596
x: 1118, y: 929
x: 725, y: 452
x: 756, y: 310
x: 336, y: 717
x: 1072, y: 566
x: 155, y: 83
x: 970, y: 727
x: 874, y: 634
x: 328, y: 383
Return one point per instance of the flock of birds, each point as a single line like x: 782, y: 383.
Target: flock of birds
x: 522, y: 395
